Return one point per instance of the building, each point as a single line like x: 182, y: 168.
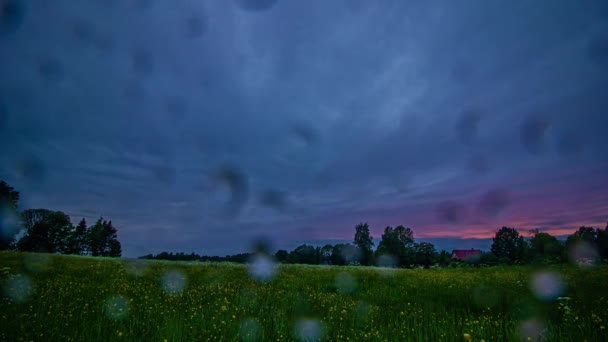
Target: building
x: 463, y: 254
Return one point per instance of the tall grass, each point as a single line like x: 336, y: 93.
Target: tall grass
x: 63, y: 298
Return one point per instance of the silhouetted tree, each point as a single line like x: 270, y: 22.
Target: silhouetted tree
x: 78, y: 240
x: 425, y: 254
x: 398, y: 243
x: 281, y: 255
x: 507, y: 244
x: 544, y: 247
x: 444, y: 258
x: 602, y: 242
x: 325, y: 254
x: 9, y: 222
x: 364, y: 241
x: 103, y: 240
x: 303, y: 254
x: 45, y: 231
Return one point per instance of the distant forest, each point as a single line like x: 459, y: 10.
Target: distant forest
x: 43, y: 230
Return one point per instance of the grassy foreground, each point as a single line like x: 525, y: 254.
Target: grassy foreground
x: 66, y: 298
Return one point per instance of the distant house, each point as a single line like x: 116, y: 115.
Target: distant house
x: 463, y: 254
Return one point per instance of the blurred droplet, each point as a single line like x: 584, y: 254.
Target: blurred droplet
x: 12, y: 15
x: 597, y: 50
x: 485, y: 296
x: 83, y: 33
x: 18, y: 288
x: 176, y: 108
x: 255, y: 5
x: 533, y: 132
x: 345, y: 283
x: 386, y: 260
x: 547, y: 286
x: 570, y: 144
x: 480, y: 165
x: 30, y: 169
x: 452, y: 212
x: 304, y: 134
x: 195, y: 26
x: 10, y: 224
x: 307, y: 329
x: 532, y: 330
x: 351, y: 254
x: 137, y: 268
x: 583, y: 254
x: 248, y: 299
x: 37, y: 262
x: 134, y: 91
x: 494, y: 202
x: 142, y: 62
x: 249, y: 330
x: 467, y: 125
x: 235, y: 180
x: 173, y: 282
x: 116, y: 308
x: 362, y: 310
x: 273, y: 199
x: 262, y: 268
x: 50, y: 69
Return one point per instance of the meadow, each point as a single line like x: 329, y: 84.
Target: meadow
x: 71, y: 298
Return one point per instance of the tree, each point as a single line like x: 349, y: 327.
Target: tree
x: 78, y: 240
x: 9, y: 201
x: 544, y: 247
x: 281, y: 255
x: 602, y: 242
x: 45, y: 231
x: 303, y: 254
x: 364, y: 241
x: 397, y: 243
x: 509, y: 245
x: 103, y: 240
x: 425, y: 254
x: 325, y: 254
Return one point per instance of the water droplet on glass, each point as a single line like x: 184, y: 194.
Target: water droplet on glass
x: 249, y: 330
x: 273, y: 199
x: 36, y: 262
x: 195, y: 26
x: 345, y: 283
x: 494, y: 202
x: 173, y: 282
x: 236, y: 182
x: 12, y: 15
x: 583, y: 254
x: 452, y: 212
x: 532, y: 330
x: 18, y: 288
x: 532, y: 134
x: 116, y: 308
x: 142, y: 62
x: 467, y: 125
x: 547, y: 286
x: 262, y: 268
x: 50, y: 69
x: 308, y: 329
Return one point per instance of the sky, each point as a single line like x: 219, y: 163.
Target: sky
x: 202, y: 126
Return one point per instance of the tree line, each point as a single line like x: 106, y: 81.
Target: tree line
x: 398, y: 248
x: 48, y: 231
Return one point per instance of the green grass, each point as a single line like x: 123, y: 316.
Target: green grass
x: 67, y: 298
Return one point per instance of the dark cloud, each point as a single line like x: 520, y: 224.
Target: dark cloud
x: 12, y: 15
x: 135, y: 108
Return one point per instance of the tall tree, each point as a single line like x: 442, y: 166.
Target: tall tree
x: 545, y: 247
x: 363, y: 240
x: 45, y: 231
x: 508, y: 244
x: 425, y: 254
x: 103, y: 239
x: 602, y: 242
x: 79, y: 238
x: 397, y: 243
x: 9, y: 223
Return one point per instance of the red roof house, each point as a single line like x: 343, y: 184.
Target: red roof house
x: 462, y: 254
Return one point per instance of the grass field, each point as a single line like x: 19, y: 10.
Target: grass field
x: 64, y: 298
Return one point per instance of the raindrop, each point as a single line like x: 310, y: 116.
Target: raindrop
x: 480, y: 165
x: 304, y: 134
x: 195, y: 26
x: 18, y: 288
x: 12, y: 15
x: 235, y: 180
x: 255, y: 5
x: 37, y: 262
x: 533, y: 132
x: 494, y: 202
x: 597, y: 50
x: 569, y: 144
x: 273, y: 199
x: 307, y: 329
x: 583, y: 254
x: 249, y: 330
x: 467, y: 125
x: 137, y: 268
x: 83, y: 32
x: 532, y: 330
x: 50, y: 69
x: 452, y: 212
x: 351, y: 254
x: 262, y: 268
x: 362, y: 310
x: 386, y: 260
x: 485, y: 296
x: 142, y: 62
x: 116, y: 308
x: 546, y: 286
x: 345, y: 283
x: 30, y: 169
x: 173, y: 282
